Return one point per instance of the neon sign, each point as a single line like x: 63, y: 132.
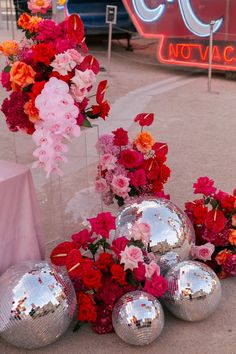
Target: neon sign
x: 183, y: 29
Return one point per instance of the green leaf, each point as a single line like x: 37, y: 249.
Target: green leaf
x: 28, y: 34
x: 86, y: 123
x: 7, y: 69
x: 130, y: 278
x: 207, y: 200
x: 214, y: 203
x: 120, y: 200
x: 77, y: 326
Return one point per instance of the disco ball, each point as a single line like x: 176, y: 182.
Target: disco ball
x: 194, y: 291
x: 138, y: 318
x: 171, y: 229
x: 167, y: 261
x: 37, y: 304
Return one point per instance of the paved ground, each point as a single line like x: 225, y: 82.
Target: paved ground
x: 199, y: 128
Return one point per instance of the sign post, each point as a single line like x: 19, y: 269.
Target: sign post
x: 210, y: 55
x: 111, y: 19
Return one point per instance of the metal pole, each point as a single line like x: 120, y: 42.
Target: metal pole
x: 210, y: 55
x: 12, y: 24
x: 109, y: 48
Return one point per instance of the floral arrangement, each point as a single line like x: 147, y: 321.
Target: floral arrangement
x: 131, y: 168
x: 214, y: 220
x: 50, y: 75
x: 102, y: 269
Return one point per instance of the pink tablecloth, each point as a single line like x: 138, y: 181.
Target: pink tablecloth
x: 20, y: 229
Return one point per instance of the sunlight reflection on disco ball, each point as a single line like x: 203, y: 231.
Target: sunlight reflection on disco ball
x: 167, y: 261
x: 171, y: 229
x: 138, y: 318
x: 194, y: 291
x: 37, y: 304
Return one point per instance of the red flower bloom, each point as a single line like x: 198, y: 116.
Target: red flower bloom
x: 91, y: 63
x: 120, y: 137
x: 118, y: 274
x: 103, y: 323
x: 73, y: 263
x: 101, y: 110
x: 92, y: 278
x: 104, y: 261
x: 215, y: 220
x: 157, y: 187
x: 101, y: 90
x: 43, y: 53
x: 140, y: 272
x: 161, y: 150
x: 60, y: 253
x: 119, y: 244
x: 151, y: 166
x: 204, y: 185
x: 157, y: 286
x: 164, y: 173
x: 130, y: 158
x: 229, y: 266
x: 110, y: 292
x: 138, y: 178
x: 102, y: 224
x: 65, y: 78
x: 36, y: 89
x: 75, y: 29
x: 83, y: 238
x: 144, y: 119
x: 226, y: 200
x: 87, y: 310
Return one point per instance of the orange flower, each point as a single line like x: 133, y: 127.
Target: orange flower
x: 9, y: 48
x: 144, y: 141
x: 232, y: 237
x: 222, y: 256
x: 32, y: 111
x: 34, y: 24
x: 21, y: 75
x: 23, y: 21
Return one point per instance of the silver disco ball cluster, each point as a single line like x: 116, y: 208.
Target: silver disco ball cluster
x: 194, y: 291
x: 138, y: 318
x: 37, y: 304
x: 171, y: 229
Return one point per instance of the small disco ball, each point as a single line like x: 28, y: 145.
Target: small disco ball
x: 37, y: 304
x: 171, y: 229
x: 194, y: 291
x: 138, y: 318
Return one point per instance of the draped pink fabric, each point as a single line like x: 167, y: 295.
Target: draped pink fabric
x: 21, y: 235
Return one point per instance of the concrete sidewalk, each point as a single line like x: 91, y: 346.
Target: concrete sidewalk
x: 200, y: 129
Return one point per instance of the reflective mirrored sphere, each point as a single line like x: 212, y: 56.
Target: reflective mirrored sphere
x: 194, y: 291
x: 171, y: 229
x: 37, y: 304
x: 167, y: 261
x: 138, y: 318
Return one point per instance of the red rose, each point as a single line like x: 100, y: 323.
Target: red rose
x: 144, y: 119
x: 138, y: 178
x: 60, y: 253
x: 204, y: 185
x: 92, y: 278
x: 102, y: 224
x: 215, y: 220
x: 43, y: 53
x: 104, y: 261
x: 120, y: 137
x: 130, y: 158
x: 118, y: 274
x: 119, y: 245
x: 110, y: 292
x: 83, y: 238
x: 87, y: 310
x: 157, y: 286
x: 140, y: 272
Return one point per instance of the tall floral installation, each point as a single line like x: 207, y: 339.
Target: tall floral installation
x: 214, y: 220
x: 131, y: 168
x: 103, y: 268
x: 49, y: 75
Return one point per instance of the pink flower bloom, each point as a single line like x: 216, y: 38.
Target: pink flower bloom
x: 105, y: 145
x: 205, y: 186
x: 63, y: 63
x: 77, y: 93
x: 138, y: 178
x: 75, y: 55
x: 108, y: 162
x: 5, y: 80
x: 120, y: 185
x: 131, y: 256
x: 203, y: 252
x: 102, y: 224
x: 157, y: 286
x: 230, y: 265
x: 152, y: 268
x: 48, y: 31
x: 101, y: 185
x: 141, y: 231
x: 39, y: 6
x: 119, y: 245
x: 84, y: 79
x: 130, y: 158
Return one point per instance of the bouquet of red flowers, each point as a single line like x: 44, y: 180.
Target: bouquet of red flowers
x: 214, y: 220
x: 131, y: 168
x: 102, y: 269
x: 50, y: 76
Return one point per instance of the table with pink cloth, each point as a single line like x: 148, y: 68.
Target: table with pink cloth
x: 20, y: 227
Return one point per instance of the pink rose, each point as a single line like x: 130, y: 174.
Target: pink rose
x: 108, y: 162
x: 101, y: 185
x: 203, y: 252
x: 140, y: 272
x: 151, y: 268
x: 138, y: 178
x: 120, y: 185
x: 119, y: 245
x: 131, y: 256
x: 204, y: 185
x: 141, y: 231
x: 130, y: 158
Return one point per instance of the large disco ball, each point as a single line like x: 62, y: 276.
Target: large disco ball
x: 194, y: 291
x: 37, y: 304
x: 138, y: 318
x: 171, y: 229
